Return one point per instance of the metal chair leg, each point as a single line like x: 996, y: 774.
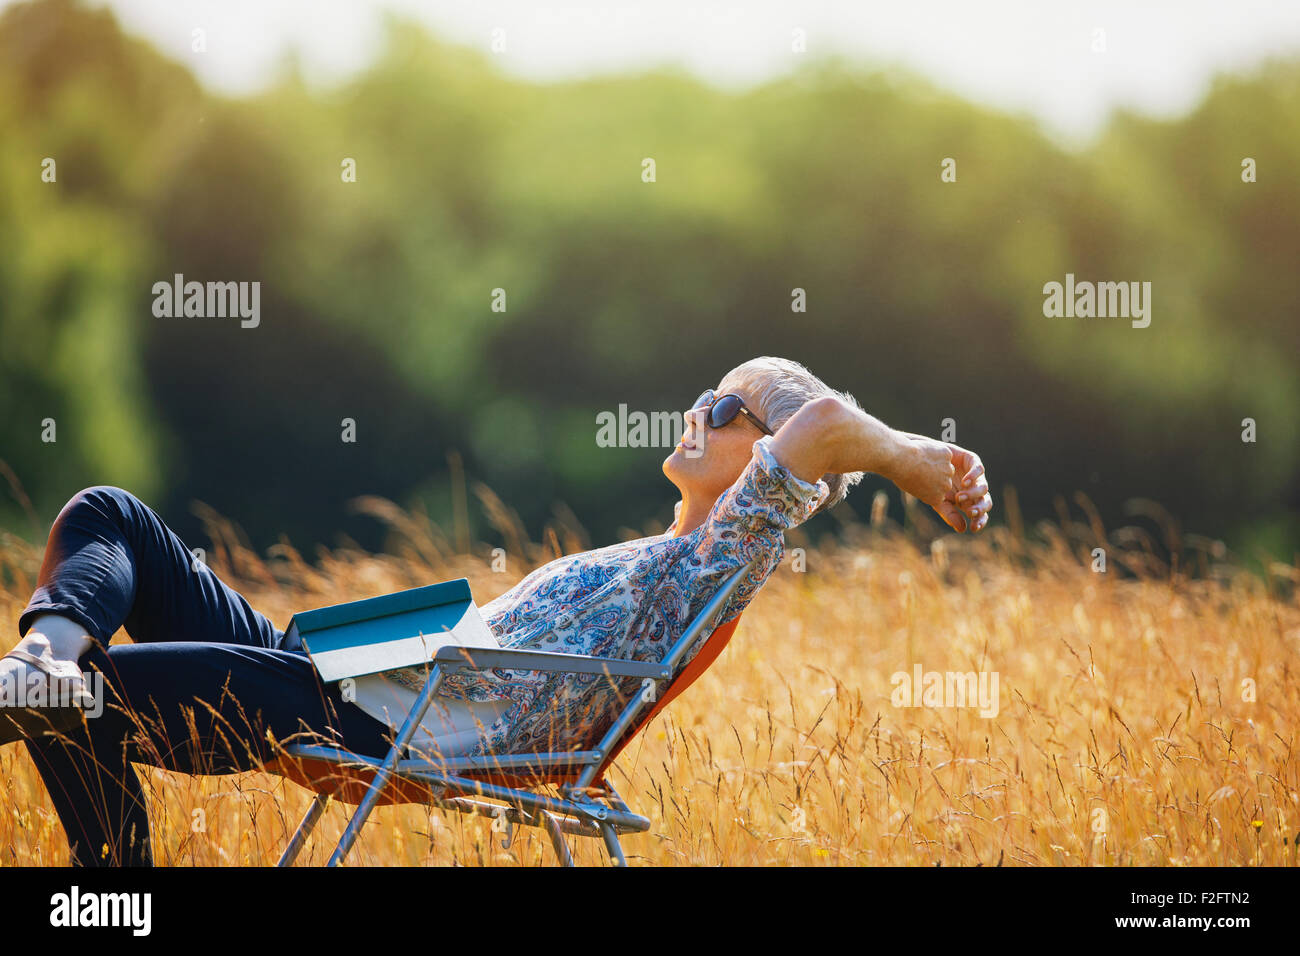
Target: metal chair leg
x: 615, y: 849
x: 353, y: 829
x: 557, y: 838
x: 304, y: 830
x: 386, y: 772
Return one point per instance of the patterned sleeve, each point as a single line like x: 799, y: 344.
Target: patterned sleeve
x: 749, y: 519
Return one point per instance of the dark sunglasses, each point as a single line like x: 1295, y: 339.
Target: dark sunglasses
x: 723, y: 410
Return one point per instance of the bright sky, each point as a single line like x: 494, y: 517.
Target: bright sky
x: 1021, y: 55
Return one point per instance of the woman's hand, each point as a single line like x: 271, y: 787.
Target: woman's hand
x: 949, y: 479
x: 826, y: 435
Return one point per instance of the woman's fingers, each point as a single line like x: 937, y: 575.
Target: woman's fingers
x: 975, y: 472
x: 967, y: 518
x: 952, y: 516
x: 973, y: 492
x: 965, y: 506
x: 979, y: 512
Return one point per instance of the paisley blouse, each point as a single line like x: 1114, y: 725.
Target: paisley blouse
x: 631, y: 600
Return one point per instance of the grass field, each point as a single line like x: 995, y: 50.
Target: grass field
x: 1146, y: 715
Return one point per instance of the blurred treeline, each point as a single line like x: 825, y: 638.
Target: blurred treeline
x: 924, y: 298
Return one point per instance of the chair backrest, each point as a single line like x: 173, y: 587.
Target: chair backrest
x: 350, y: 785
x: 690, y: 673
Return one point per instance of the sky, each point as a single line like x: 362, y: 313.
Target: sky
x: 1033, y: 56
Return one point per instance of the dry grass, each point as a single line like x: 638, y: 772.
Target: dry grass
x: 1122, y: 738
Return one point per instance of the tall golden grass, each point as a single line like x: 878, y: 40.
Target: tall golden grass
x: 1147, y: 715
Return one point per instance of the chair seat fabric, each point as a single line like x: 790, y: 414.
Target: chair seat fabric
x: 349, y: 785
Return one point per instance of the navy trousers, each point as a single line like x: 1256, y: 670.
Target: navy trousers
x: 205, y: 681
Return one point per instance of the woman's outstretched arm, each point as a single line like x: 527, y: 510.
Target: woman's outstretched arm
x: 828, y: 435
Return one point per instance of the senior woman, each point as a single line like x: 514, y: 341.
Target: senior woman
x: 209, y: 683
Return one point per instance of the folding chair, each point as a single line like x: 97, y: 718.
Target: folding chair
x: 508, y: 786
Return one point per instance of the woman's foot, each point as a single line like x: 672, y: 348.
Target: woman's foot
x: 42, y: 689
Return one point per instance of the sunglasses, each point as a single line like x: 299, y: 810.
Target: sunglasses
x: 723, y: 410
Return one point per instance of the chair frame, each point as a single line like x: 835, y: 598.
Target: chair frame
x: 587, y: 807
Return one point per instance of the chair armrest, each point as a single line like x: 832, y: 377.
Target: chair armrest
x: 488, y: 658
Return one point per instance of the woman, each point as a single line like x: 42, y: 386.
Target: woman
x: 209, y: 682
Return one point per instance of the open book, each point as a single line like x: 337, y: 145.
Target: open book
x: 391, y: 631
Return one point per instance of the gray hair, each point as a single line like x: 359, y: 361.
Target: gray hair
x: 778, y: 388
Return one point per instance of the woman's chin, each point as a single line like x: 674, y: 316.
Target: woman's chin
x: 676, y: 463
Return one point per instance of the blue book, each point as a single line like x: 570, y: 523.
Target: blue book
x: 402, y: 629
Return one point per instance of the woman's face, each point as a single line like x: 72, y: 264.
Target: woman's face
x: 707, y: 461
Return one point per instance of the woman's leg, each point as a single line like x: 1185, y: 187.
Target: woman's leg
x: 112, y: 562
x: 188, y: 707
x: 204, y: 661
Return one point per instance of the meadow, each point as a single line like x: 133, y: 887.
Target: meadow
x: 1146, y: 716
